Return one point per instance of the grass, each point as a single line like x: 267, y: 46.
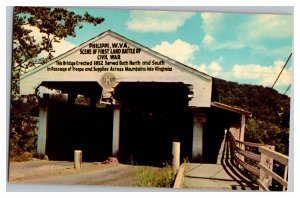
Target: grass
x: 155, y: 177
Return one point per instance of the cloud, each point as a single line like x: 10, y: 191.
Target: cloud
x: 211, y: 21
x: 157, y: 21
x: 220, y: 32
x: 59, y: 48
x: 253, y: 31
x: 202, y: 68
x: 275, y: 51
x: 62, y: 47
x: 208, y: 39
x: 268, y: 26
x: 249, y: 73
x: 178, y: 50
x: 264, y: 75
x: 214, y: 68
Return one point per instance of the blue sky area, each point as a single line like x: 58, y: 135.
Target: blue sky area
x: 244, y: 48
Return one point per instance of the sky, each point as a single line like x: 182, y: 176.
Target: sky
x: 194, y: 36
x: 243, y: 48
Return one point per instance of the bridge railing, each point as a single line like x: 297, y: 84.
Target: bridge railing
x: 266, y: 172
x: 260, y: 165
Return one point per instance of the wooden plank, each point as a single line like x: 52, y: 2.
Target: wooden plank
x: 249, y: 154
x: 285, y: 176
x: 231, y: 108
x: 250, y: 168
x: 273, y: 175
x: 262, y: 185
x: 250, y: 144
x: 179, y: 177
x: 275, y: 155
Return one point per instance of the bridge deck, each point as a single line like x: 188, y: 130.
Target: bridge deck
x: 213, y: 177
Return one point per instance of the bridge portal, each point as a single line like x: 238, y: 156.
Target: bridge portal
x: 130, y: 105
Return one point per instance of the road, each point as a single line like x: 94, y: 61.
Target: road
x: 54, y: 172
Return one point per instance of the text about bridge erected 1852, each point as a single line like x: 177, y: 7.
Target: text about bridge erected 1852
x: 103, y: 57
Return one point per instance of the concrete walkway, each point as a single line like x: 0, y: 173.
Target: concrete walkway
x: 211, y: 177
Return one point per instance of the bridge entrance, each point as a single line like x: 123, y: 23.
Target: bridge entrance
x: 77, y: 127
x: 153, y: 115
x: 217, y: 121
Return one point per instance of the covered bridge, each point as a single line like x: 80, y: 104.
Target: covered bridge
x: 115, y: 97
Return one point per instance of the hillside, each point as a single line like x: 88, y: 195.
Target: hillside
x: 270, y: 111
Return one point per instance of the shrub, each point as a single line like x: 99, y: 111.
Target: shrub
x: 155, y: 177
x: 23, y: 128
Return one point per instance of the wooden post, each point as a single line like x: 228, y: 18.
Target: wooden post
x: 116, y: 131
x: 77, y: 159
x: 266, y: 166
x: 262, y: 173
x: 43, y: 127
x: 242, y: 135
x: 270, y: 164
x: 176, y: 155
x: 285, y: 177
x: 243, y: 123
x: 197, y: 141
x: 266, y: 161
x: 199, y: 118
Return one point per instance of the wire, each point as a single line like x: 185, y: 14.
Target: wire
x: 282, y: 69
x: 230, y: 71
x: 287, y: 89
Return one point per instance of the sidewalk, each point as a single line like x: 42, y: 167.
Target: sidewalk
x: 211, y: 177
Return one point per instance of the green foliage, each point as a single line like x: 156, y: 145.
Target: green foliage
x: 263, y: 103
x: 270, y: 112
x: 268, y: 133
x: 155, y: 177
x: 29, y: 52
x: 55, y: 23
x: 23, y: 128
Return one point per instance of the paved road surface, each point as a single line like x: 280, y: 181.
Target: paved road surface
x: 54, y: 172
x: 120, y: 175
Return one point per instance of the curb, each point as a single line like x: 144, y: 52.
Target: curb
x: 179, y: 177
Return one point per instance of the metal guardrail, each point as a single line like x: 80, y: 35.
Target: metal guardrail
x: 263, y: 168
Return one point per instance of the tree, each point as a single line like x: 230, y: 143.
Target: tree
x: 29, y: 52
x: 54, y: 23
x: 270, y: 122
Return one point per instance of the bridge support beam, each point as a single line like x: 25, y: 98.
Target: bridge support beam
x: 243, y: 123
x: 116, y: 131
x: 198, y: 122
x: 242, y: 135
x: 43, y: 127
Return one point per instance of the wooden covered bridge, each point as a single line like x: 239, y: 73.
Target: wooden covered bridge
x: 111, y: 96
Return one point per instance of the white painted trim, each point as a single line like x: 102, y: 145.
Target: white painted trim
x: 122, y: 38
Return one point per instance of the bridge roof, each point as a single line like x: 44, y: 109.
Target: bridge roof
x: 231, y: 108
